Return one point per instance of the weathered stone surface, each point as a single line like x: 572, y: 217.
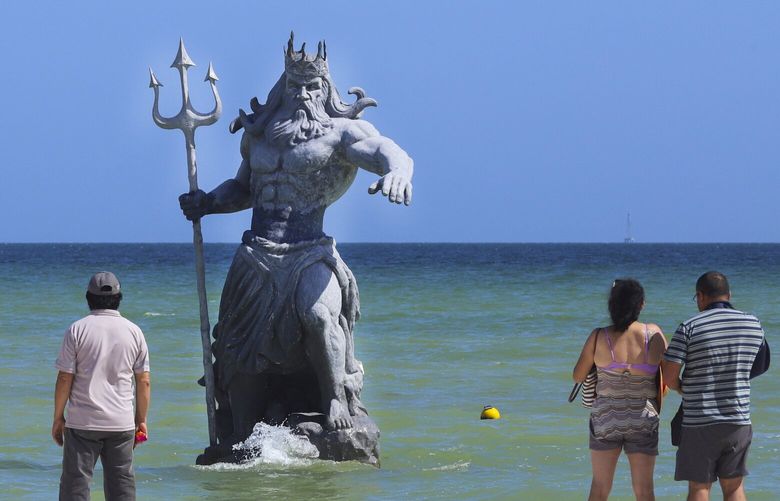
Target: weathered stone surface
x: 359, y: 443
x: 222, y: 453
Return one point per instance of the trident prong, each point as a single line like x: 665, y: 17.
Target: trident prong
x: 187, y: 120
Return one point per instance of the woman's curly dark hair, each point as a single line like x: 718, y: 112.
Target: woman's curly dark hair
x: 625, y: 302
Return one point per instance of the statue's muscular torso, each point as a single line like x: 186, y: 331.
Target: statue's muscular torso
x: 290, y: 187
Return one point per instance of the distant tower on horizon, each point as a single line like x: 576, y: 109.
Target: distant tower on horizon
x: 629, y: 239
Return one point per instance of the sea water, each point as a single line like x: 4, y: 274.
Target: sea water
x: 445, y: 330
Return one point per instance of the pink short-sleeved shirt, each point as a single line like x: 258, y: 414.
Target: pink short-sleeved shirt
x: 103, y: 350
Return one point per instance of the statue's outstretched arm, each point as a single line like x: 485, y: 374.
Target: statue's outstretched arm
x: 380, y: 155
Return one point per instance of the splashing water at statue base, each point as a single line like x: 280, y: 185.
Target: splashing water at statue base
x: 272, y: 445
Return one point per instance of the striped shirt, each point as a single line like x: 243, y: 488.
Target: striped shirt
x: 717, y: 347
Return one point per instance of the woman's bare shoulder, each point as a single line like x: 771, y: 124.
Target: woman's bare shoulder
x: 656, y: 334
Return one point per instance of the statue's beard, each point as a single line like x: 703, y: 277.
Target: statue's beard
x: 306, y: 120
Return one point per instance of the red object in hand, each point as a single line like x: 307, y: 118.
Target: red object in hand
x: 140, y: 437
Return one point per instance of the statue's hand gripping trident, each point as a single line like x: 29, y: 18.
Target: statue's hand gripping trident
x: 187, y: 120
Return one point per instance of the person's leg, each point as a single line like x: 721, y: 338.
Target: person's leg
x: 642, y: 466
x: 733, y: 489
x: 603, y: 463
x: 732, y: 464
x: 698, y: 491
x: 117, y: 460
x: 80, y: 453
x: 641, y: 448
x: 696, y: 461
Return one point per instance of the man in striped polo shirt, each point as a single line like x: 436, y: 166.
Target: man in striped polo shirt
x: 717, y: 348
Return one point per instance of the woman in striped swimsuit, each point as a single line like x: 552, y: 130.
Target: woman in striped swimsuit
x: 625, y: 413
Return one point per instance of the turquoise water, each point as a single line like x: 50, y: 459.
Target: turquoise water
x: 445, y: 330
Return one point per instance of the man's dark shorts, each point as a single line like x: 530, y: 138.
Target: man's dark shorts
x: 707, y: 453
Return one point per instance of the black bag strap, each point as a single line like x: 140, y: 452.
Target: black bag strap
x: 761, y: 363
x: 574, y: 391
x: 676, y: 426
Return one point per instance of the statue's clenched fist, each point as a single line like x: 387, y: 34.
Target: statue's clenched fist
x: 195, y: 204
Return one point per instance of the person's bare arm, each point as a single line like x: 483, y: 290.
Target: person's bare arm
x: 61, y: 395
x: 658, y: 344
x: 672, y: 374
x: 143, y: 392
x: 672, y: 369
x: 585, y: 362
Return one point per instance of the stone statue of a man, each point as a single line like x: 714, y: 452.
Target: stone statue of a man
x: 283, y: 341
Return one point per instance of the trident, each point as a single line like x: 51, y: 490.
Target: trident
x: 187, y: 120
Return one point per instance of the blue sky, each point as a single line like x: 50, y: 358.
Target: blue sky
x: 528, y: 121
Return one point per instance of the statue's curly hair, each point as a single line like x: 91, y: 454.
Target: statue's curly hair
x: 256, y: 122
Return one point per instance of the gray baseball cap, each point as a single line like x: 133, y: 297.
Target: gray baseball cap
x: 103, y: 283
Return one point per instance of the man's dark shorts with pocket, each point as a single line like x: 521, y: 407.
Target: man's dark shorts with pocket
x: 707, y: 453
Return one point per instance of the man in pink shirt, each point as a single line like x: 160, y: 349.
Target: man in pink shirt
x: 101, y: 358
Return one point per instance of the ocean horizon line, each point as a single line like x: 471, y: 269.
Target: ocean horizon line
x: 444, y: 242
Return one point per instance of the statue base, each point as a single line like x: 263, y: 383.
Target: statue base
x: 359, y: 443
x: 222, y: 453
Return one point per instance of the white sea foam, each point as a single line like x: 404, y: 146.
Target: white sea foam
x: 272, y: 445
x: 155, y: 314
x: 456, y: 466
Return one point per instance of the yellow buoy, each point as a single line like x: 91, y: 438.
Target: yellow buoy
x: 490, y: 412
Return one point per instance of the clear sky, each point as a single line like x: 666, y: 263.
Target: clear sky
x: 528, y: 121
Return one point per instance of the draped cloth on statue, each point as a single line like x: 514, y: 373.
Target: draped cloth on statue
x: 259, y: 330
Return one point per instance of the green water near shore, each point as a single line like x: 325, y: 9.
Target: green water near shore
x: 444, y: 331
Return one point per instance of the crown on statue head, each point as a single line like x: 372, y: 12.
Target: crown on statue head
x: 298, y: 64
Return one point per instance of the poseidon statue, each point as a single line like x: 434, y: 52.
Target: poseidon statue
x: 284, y: 337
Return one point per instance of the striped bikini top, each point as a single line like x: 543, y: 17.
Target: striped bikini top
x: 617, y: 366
